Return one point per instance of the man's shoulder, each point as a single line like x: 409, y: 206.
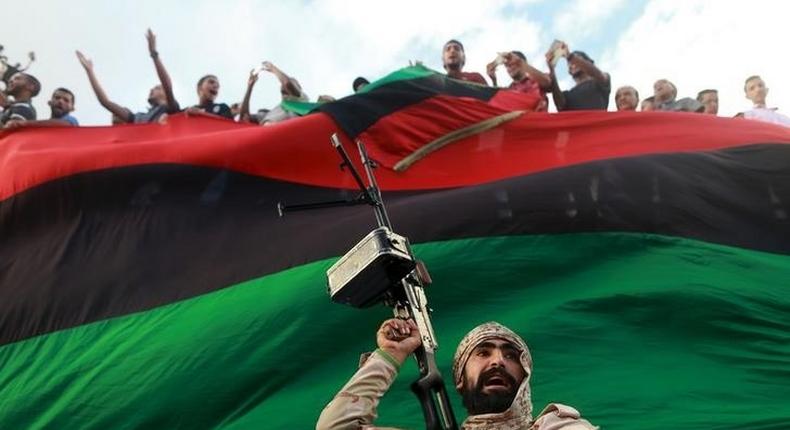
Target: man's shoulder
x: 70, y: 119
x: 22, y: 109
x: 474, y: 77
x: 557, y: 416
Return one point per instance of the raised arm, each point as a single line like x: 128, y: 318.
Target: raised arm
x: 556, y: 93
x: 119, y: 111
x: 286, y: 81
x: 164, y: 77
x: 244, y: 114
x: 491, y: 72
x: 354, y: 407
x: 543, y: 79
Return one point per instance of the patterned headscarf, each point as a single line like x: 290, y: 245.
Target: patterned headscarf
x: 519, y: 414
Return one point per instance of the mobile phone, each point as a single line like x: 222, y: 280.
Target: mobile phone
x: 558, y: 50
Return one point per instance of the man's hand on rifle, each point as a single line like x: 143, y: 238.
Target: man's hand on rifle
x: 399, y: 338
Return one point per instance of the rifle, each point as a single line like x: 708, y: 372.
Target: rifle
x: 382, y: 268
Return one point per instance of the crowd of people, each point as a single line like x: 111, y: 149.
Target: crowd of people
x: 590, y: 91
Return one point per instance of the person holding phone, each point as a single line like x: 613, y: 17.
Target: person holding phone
x: 592, y: 88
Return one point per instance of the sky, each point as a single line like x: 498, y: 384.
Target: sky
x: 326, y: 44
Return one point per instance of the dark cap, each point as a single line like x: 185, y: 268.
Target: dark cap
x: 360, y: 81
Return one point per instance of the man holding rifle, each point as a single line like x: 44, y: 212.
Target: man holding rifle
x: 491, y: 371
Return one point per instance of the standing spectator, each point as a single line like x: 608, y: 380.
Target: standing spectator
x: 665, y: 93
x: 648, y: 104
x: 22, y: 87
x: 626, y: 98
x: 454, y: 58
x: 61, y: 105
x: 592, y: 88
x: 526, y: 79
x: 290, y: 90
x: 755, y: 90
x: 710, y: 100
x: 359, y: 83
x: 207, y: 90
x: 161, y: 100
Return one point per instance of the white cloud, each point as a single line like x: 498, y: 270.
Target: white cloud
x: 584, y: 17
x: 702, y: 44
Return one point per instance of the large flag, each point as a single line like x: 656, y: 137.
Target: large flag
x: 146, y: 280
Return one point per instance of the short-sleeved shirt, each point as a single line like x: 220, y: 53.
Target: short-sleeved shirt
x: 19, y: 110
x: 767, y: 115
x: 69, y: 119
x: 529, y: 86
x: 220, y: 109
x: 152, y: 115
x: 588, y: 95
x: 471, y: 77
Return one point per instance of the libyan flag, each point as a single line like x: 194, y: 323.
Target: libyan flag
x: 146, y: 280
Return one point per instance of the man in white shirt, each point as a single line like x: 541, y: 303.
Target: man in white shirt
x: 756, y: 92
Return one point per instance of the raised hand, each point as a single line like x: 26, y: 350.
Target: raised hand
x: 151, y: 37
x: 86, y: 62
x: 491, y: 69
x: 399, y: 338
x: 253, y: 78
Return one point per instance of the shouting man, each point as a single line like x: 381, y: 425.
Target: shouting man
x: 491, y: 370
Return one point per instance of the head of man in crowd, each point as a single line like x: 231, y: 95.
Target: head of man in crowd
x: 576, y: 72
x: 514, y: 63
x: 207, y: 89
x: 23, y: 86
x: 664, y: 91
x: 157, y: 97
x: 491, y: 370
x: 710, y: 100
x: 626, y: 98
x: 648, y: 104
x: 453, y: 56
x: 61, y: 103
x: 755, y: 90
x: 287, y: 93
x: 359, y: 83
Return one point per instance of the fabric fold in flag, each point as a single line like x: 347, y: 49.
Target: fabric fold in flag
x: 413, y: 106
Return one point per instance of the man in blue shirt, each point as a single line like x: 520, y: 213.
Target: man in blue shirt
x: 61, y: 104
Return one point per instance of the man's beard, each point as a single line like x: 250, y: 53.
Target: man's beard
x: 477, y: 402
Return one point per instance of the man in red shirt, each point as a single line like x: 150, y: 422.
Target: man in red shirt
x: 526, y: 79
x: 454, y: 58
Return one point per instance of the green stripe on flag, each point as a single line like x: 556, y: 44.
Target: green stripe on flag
x: 635, y: 330
x: 299, y: 108
x: 406, y: 73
